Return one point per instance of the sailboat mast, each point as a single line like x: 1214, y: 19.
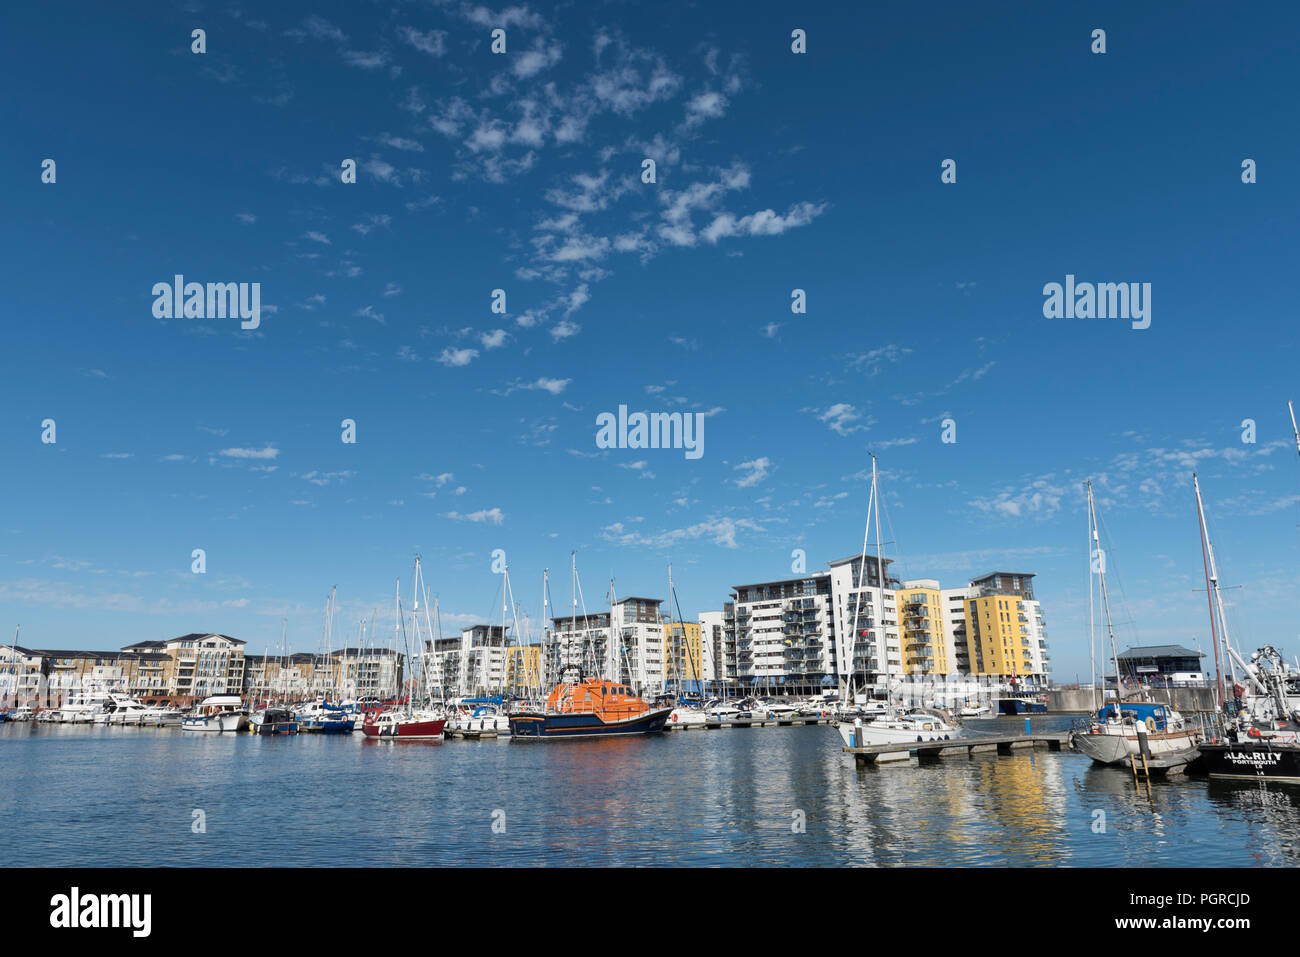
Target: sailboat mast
x: 1294, y: 427
x: 1092, y: 619
x: 880, y: 580
x: 862, y: 573
x: 1209, y: 592
x: 1218, y: 596
x: 1105, y: 604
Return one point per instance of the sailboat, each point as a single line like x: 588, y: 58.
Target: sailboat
x: 1121, y: 730
x: 485, y: 716
x: 585, y: 707
x: 1263, y: 743
x: 406, y: 723
x: 685, y: 716
x: 892, y: 726
x: 276, y: 719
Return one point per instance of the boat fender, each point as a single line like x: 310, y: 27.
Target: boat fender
x: 918, y: 737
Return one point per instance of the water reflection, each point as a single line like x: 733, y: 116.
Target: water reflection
x: 774, y: 796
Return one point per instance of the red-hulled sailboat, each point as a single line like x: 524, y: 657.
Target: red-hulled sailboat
x: 406, y: 723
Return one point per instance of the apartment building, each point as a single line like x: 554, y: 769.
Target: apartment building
x: 624, y: 644
x: 784, y: 634
x: 683, y: 654
x: 471, y: 664
x: 927, y: 648
x: 712, y: 629
x: 870, y: 646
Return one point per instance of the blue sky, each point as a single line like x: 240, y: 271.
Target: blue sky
x: 521, y: 171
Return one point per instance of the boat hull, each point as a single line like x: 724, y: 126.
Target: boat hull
x: 869, y: 734
x: 1112, y: 749
x: 538, y: 726
x: 1255, y: 761
x: 405, y: 730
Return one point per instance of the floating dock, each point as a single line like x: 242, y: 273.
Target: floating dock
x: 964, y: 746
x: 792, y: 721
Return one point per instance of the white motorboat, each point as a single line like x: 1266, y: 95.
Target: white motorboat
x: 83, y: 707
x: 975, y: 711
x: 121, y: 709
x: 471, y: 720
x: 159, y: 716
x: 779, y: 709
x: 901, y: 729
x: 21, y: 714
x: 223, y: 712
x: 687, y: 718
x: 721, y: 710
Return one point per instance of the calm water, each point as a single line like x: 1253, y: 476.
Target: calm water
x: 100, y: 796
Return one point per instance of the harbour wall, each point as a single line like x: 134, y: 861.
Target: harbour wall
x: 1182, y: 699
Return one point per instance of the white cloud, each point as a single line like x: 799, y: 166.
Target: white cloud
x: 266, y: 452
x: 458, y: 357
x: 491, y: 515
x: 756, y: 470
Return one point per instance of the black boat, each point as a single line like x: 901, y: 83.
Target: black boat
x: 1258, y: 759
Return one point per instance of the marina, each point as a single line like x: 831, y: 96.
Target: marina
x: 777, y: 796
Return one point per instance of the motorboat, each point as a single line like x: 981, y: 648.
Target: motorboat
x: 901, y: 728
x: 974, y: 711
x: 83, y: 707
x: 273, y: 721
x: 20, y: 714
x: 321, y: 717
x: 779, y: 709
x: 121, y: 709
x: 218, y: 713
x: 687, y: 718
x: 471, y: 720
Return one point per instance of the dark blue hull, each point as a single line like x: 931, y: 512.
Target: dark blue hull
x: 1017, y: 706
x: 533, y: 725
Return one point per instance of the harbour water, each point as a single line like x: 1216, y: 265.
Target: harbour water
x: 97, y: 796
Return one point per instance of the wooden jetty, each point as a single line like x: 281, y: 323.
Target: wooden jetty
x: 963, y: 746
x: 792, y: 721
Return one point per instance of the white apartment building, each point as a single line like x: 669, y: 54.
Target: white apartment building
x: 783, y: 635
x: 470, y: 665
x: 624, y: 644
x: 875, y: 650
x: 711, y: 639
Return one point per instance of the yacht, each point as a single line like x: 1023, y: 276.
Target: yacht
x: 21, y: 714
x: 121, y: 709
x: 478, y: 720
x: 779, y: 709
x: 82, y: 708
x: 222, y: 712
x: 899, y: 728
x: 404, y: 725
x: 1115, y: 733
x: 160, y: 716
x: 683, y: 717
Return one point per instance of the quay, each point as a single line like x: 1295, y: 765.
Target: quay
x: 793, y: 721
x: 960, y: 747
